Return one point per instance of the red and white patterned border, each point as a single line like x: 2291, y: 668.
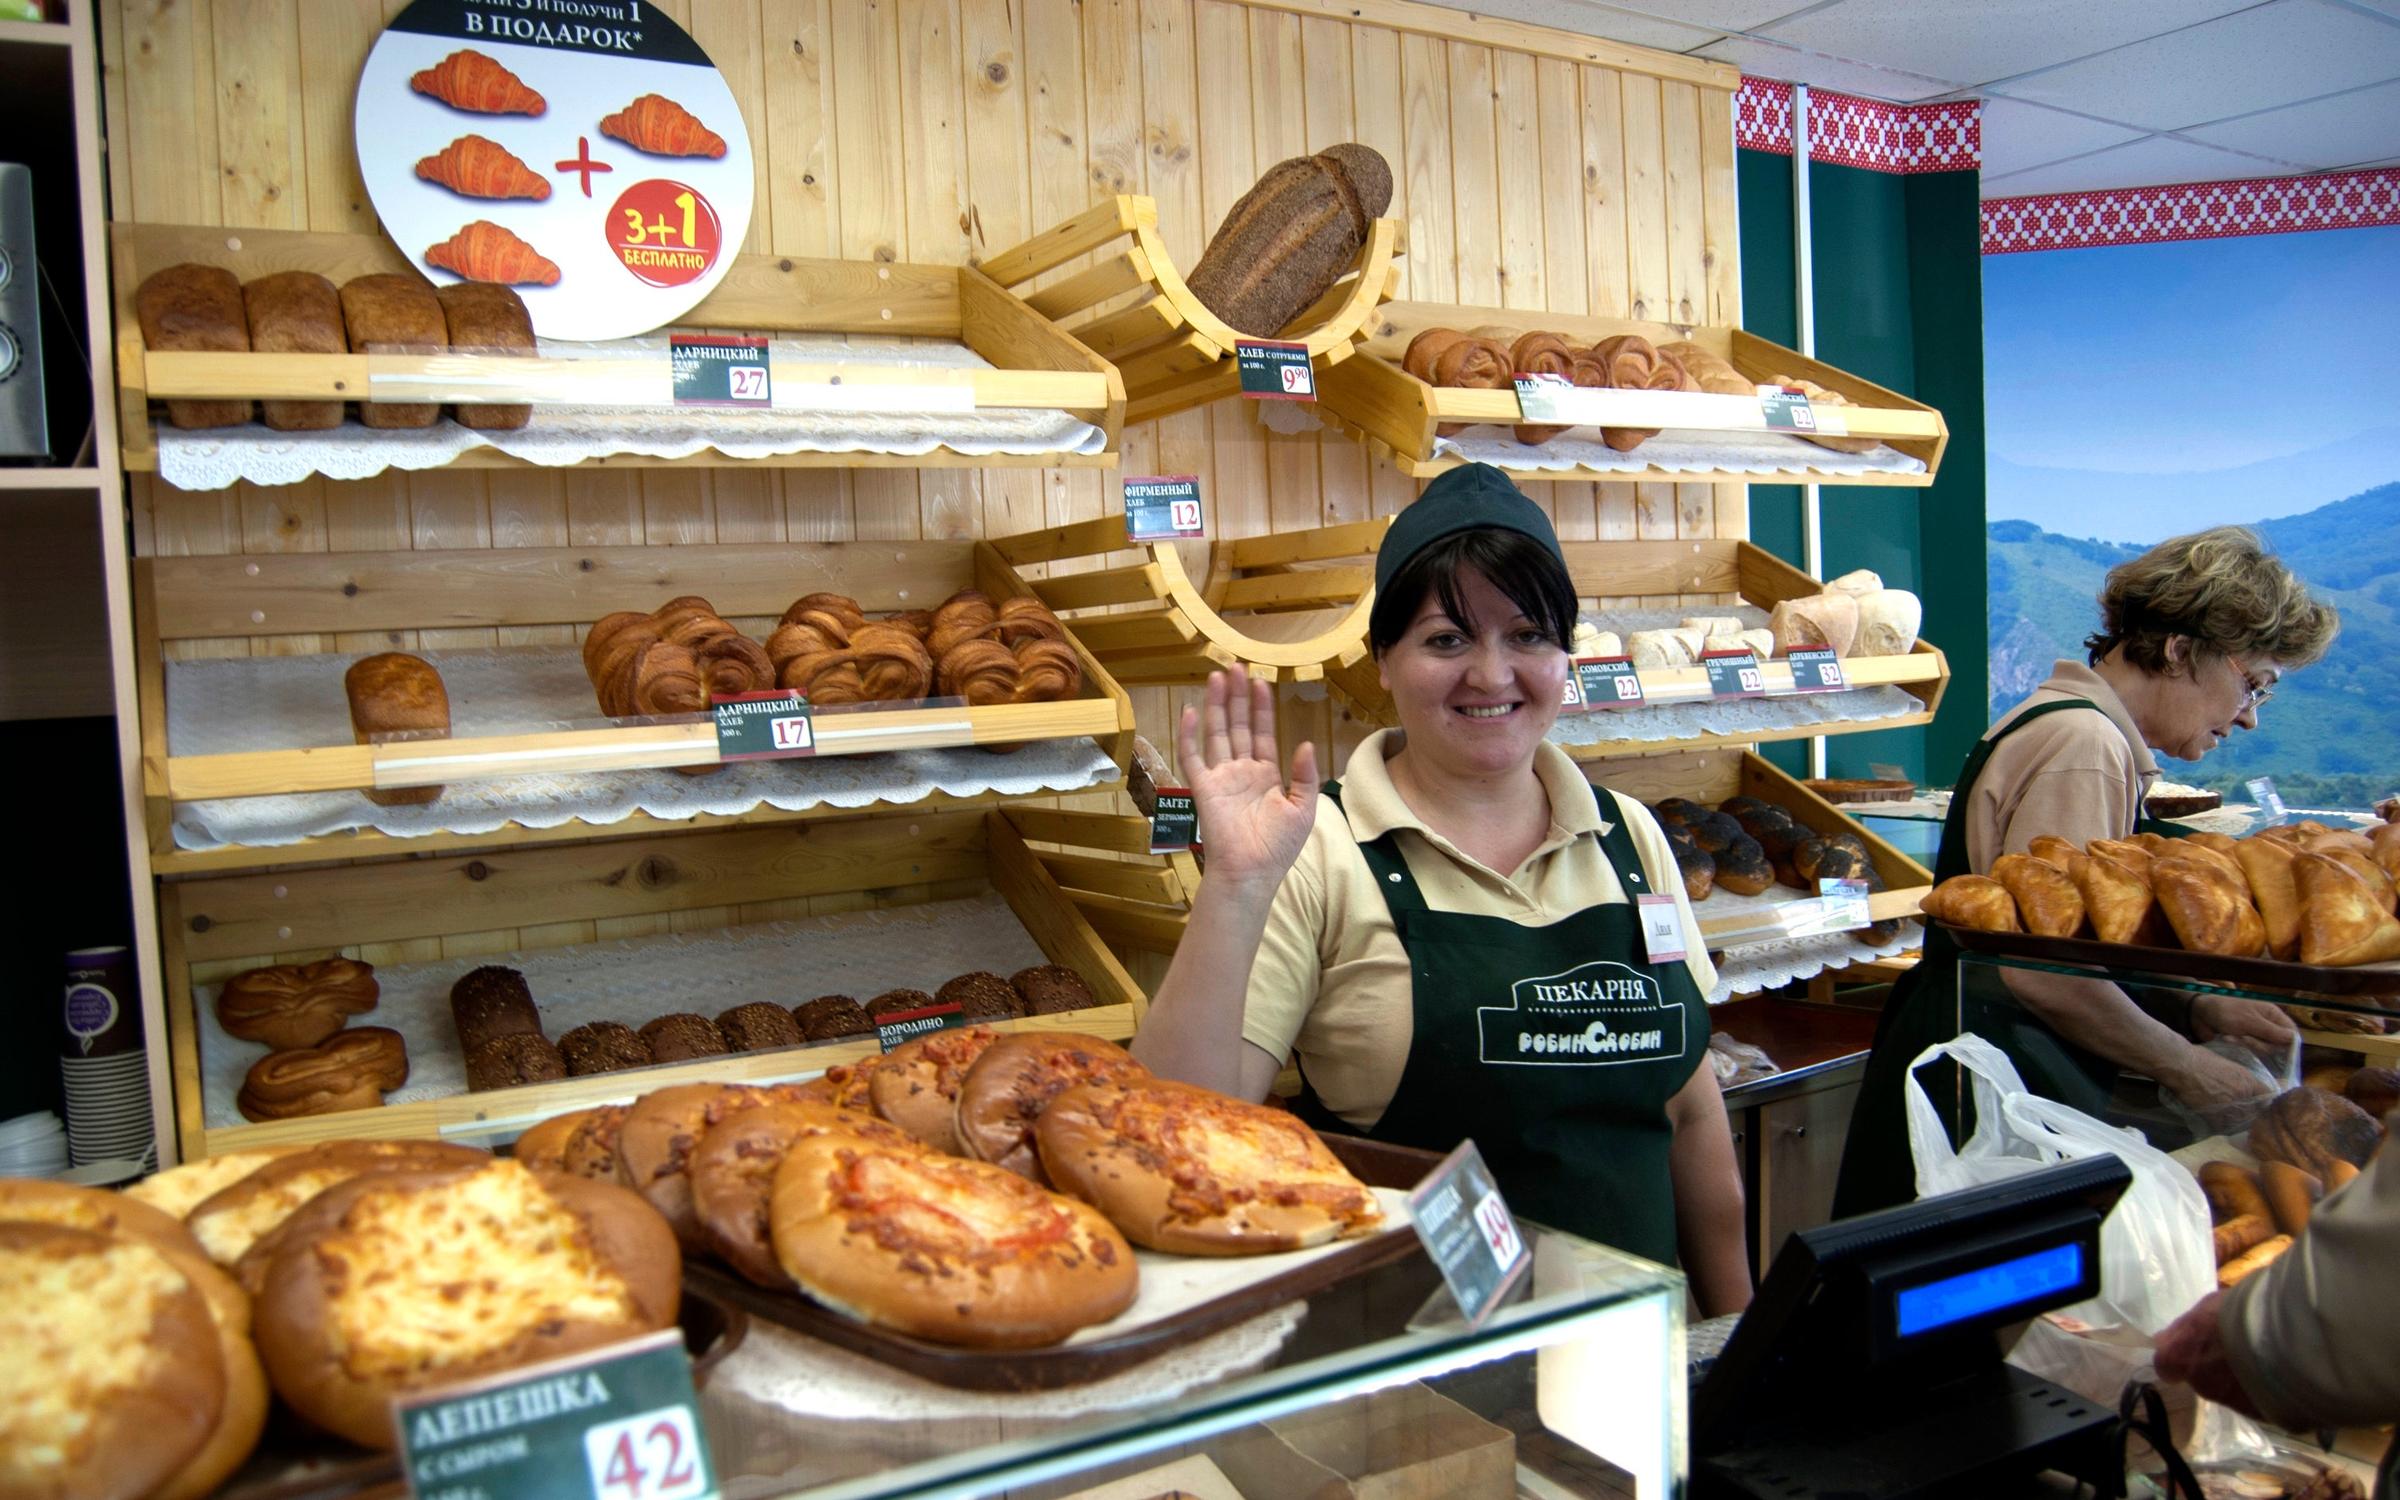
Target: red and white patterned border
x: 2191, y: 211
x: 1848, y: 131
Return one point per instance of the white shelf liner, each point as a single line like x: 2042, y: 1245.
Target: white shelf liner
x: 218, y: 707
x: 1675, y: 451
x: 860, y: 954
x: 213, y: 458
x: 1772, y: 965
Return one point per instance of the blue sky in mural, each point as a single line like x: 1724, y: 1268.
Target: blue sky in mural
x: 2138, y: 391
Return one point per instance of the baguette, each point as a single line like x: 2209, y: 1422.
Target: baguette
x: 2233, y: 1191
x: 2257, y: 1257
x: 2236, y: 1236
x: 2291, y: 1194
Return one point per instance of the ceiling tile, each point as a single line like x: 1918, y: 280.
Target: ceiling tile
x: 2258, y: 59
x: 1719, y: 15
x: 1768, y: 60
x: 1587, y: 19
x: 1976, y: 43
x: 2145, y: 163
x: 2018, y: 135
x: 2361, y: 124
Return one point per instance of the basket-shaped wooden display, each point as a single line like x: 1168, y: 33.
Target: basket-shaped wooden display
x: 1173, y: 353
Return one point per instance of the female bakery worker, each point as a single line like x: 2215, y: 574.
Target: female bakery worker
x: 2194, y: 635
x: 1447, y: 940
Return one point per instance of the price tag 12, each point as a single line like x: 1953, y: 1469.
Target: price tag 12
x: 719, y: 370
x: 764, y: 726
x: 1605, y: 682
x: 1175, y: 821
x: 1272, y: 370
x: 1733, y: 674
x: 619, y: 1423
x: 1465, y: 1224
x: 1163, y: 508
x: 1815, y: 669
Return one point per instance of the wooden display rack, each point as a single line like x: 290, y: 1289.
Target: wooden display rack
x: 1173, y: 352
x: 1037, y: 366
x: 1289, y: 607
x: 1374, y: 399
x: 1656, y: 575
x: 1711, y: 776
x: 218, y: 926
x: 267, y: 596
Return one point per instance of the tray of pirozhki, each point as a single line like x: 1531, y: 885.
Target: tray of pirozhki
x: 992, y: 1211
x: 2303, y: 909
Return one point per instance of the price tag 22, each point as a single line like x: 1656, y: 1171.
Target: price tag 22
x: 654, y: 1456
x: 1733, y: 674
x: 1785, y: 410
x: 1163, y: 508
x: 1597, y: 682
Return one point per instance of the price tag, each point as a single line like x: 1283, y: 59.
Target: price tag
x: 1844, y: 904
x: 1467, y: 1229
x: 1596, y: 682
x: 1815, y: 669
x: 1272, y: 370
x: 1786, y: 410
x: 1163, y: 508
x: 2265, y: 797
x: 907, y: 1025
x: 764, y: 726
x: 617, y: 1423
x: 714, y: 369
x: 1733, y: 674
x: 1175, y: 821
x: 1662, y: 928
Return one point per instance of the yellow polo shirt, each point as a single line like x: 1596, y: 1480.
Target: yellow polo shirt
x: 1331, y: 984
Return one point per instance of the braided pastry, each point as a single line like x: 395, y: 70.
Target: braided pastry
x: 918, y: 621
x: 809, y: 660
x: 965, y: 616
x: 1047, y: 671
x: 982, y: 672
x: 733, y: 664
x: 666, y: 680
x: 839, y: 608
x: 893, y: 665
x: 353, y: 1070
x: 692, y: 630
x: 1425, y: 348
x: 1026, y: 618
x: 296, y: 1005
x: 1541, y: 354
x: 604, y: 631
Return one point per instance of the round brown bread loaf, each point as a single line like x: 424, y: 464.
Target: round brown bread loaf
x: 520, y: 1057
x: 296, y: 1005
x: 831, y: 1017
x: 408, y: 1281
x: 897, y: 1002
x: 916, y: 1088
x: 661, y: 1131
x: 1015, y: 1079
x: 1052, y: 989
x: 116, y: 1378
x: 732, y: 1172
x: 682, y: 1036
x: 602, y: 1047
x: 1189, y: 1170
x: 941, y: 1247
x: 489, y: 1002
x: 982, y: 996
x: 759, y: 1026
x: 229, y: 1222
x: 2312, y: 1129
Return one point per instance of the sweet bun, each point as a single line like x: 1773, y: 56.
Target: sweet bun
x: 1698, y: 869
x: 844, y: 1085
x: 957, y: 1251
x: 733, y: 1175
x: 115, y: 1381
x: 2053, y: 850
x: 1185, y: 1169
x: 655, y: 1144
x: 350, y: 1069
x: 544, y: 1146
x: 2047, y: 901
x: 230, y: 1221
x: 35, y: 1200
x: 917, y: 1086
x: 2130, y: 853
x: 239, y: 1424
x: 1977, y: 902
x: 296, y: 1005
x: 2312, y: 1129
x: 410, y: 1281
x: 1015, y: 1079
x: 1742, y: 867
x: 180, y: 1189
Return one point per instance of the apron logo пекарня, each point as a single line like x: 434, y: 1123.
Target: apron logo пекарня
x: 1593, y: 1015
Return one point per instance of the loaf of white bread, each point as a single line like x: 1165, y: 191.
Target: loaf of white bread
x: 1856, y: 616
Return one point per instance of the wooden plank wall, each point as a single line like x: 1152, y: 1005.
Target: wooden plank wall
x: 1530, y: 171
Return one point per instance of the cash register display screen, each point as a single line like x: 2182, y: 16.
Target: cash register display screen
x: 1955, y: 1299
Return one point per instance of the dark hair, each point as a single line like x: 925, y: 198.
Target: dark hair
x: 2220, y: 587
x: 1529, y: 573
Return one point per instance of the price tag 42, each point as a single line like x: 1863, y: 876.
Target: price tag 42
x: 654, y: 1456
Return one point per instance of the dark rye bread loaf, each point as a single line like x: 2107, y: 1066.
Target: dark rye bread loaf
x: 1291, y: 237
x: 296, y: 312
x: 195, y: 309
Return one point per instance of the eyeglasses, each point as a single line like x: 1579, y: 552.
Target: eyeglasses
x: 2252, y: 694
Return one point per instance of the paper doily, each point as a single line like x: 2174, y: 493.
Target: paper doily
x: 1676, y: 451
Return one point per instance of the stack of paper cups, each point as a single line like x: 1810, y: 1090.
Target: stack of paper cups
x: 104, y: 1066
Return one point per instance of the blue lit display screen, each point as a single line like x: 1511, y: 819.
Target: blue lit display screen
x: 1955, y: 1299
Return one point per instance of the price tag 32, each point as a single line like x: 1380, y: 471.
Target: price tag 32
x: 1163, y: 508
x: 1272, y: 370
x: 719, y: 370
x: 1733, y: 674
x: 1815, y: 669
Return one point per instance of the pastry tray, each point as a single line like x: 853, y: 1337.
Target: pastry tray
x: 2299, y: 981
x: 1183, y: 1297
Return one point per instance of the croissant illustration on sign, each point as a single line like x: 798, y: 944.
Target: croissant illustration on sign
x: 484, y: 251
x: 658, y: 125
x: 469, y: 80
x: 478, y: 168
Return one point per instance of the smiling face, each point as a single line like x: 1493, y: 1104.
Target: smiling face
x: 1475, y: 696
x: 2193, y: 711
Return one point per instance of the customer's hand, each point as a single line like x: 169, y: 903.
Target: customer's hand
x: 1251, y: 823
x: 2265, y: 1029
x: 2191, y: 1351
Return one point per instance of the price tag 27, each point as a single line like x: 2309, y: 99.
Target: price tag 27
x: 712, y: 369
x: 764, y: 726
x: 1467, y: 1229
x: 1272, y: 370
x: 1597, y: 682
x: 1163, y: 508
x: 1815, y: 669
x: 1733, y: 674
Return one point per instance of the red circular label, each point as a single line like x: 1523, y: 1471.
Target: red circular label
x: 664, y: 231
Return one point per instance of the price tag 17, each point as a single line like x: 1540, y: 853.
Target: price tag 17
x: 719, y: 370
x: 1844, y: 904
x: 1467, y: 1229
x: 1272, y: 370
x: 1733, y: 674
x: 1163, y: 508
x: 764, y: 726
x: 1605, y: 682
x: 619, y: 1423
x: 1815, y: 669
x: 1175, y: 822
x: 1785, y: 410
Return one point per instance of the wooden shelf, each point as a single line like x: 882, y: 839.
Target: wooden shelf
x: 49, y: 35
x: 1372, y: 398
x: 1133, y: 307
x: 49, y: 480
x: 1034, y: 366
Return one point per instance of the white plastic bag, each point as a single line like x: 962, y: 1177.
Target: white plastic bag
x: 2156, y: 1254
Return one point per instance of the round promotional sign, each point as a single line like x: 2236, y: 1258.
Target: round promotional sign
x: 583, y: 152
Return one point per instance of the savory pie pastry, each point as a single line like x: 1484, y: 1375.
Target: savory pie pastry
x: 733, y: 1175
x: 1014, y: 1081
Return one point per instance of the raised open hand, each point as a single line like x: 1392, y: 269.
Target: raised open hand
x: 1251, y: 822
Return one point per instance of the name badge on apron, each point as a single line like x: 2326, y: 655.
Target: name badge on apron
x: 1662, y: 929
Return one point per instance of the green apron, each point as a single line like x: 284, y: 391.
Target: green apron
x: 1555, y: 1048
x: 1934, y: 1003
